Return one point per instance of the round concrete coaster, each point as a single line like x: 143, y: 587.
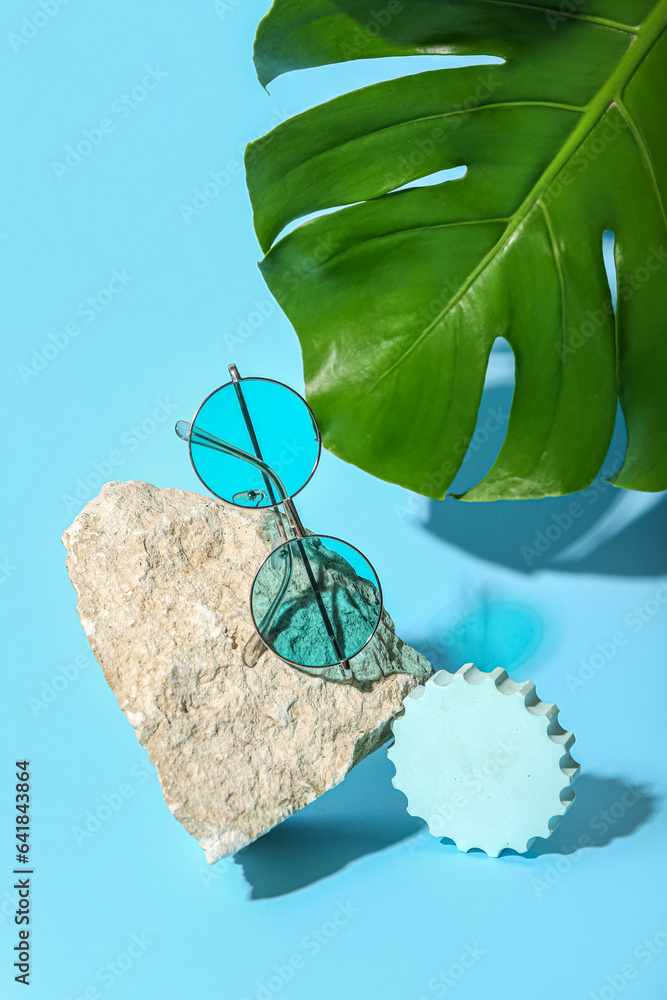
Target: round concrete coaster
x: 483, y: 760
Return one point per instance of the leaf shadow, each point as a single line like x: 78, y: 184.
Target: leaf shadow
x: 599, y: 530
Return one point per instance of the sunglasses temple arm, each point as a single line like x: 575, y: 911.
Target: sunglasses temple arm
x: 320, y: 604
x: 186, y: 432
x: 290, y: 512
x: 240, y: 398
x: 297, y: 528
x: 255, y: 645
x: 254, y: 650
x: 206, y: 440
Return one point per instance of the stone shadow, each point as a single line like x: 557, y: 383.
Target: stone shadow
x: 361, y: 816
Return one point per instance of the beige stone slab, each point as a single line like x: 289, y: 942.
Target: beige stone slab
x: 162, y: 578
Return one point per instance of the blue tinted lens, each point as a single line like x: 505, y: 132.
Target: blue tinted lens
x: 316, y: 601
x: 261, y: 417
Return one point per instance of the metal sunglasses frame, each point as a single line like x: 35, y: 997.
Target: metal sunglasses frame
x: 288, y: 523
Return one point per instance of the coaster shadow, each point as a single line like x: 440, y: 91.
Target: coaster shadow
x: 603, y: 810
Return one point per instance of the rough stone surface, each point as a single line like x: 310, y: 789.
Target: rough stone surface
x: 162, y: 578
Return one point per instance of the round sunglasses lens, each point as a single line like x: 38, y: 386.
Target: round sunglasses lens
x: 316, y: 601
x: 269, y: 421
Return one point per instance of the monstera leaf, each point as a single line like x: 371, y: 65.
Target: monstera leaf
x: 398, y: 296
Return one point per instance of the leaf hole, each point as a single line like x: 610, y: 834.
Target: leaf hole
x: 303, y: 219
x: 492, y: 418
x: 326, y: 82
x: 439, y: 177
x: 608, y: 246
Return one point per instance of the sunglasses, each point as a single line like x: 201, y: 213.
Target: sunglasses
x: 315, y: 601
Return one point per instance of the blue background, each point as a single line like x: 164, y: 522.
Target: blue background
x: 457, y: 579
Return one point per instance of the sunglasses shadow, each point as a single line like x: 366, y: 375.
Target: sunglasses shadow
x: 363, y: 815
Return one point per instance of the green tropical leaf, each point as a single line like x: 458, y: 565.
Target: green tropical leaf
x: 398, y: 297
